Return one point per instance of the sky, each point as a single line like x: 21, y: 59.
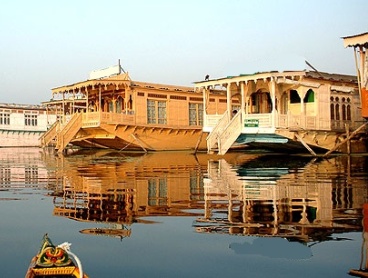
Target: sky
x: 47, y: 44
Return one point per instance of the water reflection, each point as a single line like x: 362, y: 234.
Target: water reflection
x: 268, y: 206
x: 24, y: 168
x: 297, y: 198
x: 273, y: 248
x: 363, y: 266
x: 121, y: 189
x: 269, y: 197
x: 303, y: 200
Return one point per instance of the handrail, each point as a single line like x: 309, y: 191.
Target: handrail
x: 69, y: 127
x: 221, y: 124
x: 230, y: 133
x: 49, y: 134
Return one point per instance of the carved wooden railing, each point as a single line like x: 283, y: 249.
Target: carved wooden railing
x: 67, y: 133
x: 49, y: 135
x: 95, y: 119
x: 263, y: 120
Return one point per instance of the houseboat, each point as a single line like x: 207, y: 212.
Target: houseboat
x: 110, y: 110
x: 289, y: 110
x: 293, y: 110
x: 360, y: 45
x: 21, y: 125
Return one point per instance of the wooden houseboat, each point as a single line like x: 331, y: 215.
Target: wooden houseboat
x: 110, y: 110
x: 294, y: 110
x: 21, y: 125
x: 291, y: 110
x: 360, y: 45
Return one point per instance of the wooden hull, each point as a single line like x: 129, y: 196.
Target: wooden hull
x: 321, y: 141
x: 67, y: 271
x: 141, y: 138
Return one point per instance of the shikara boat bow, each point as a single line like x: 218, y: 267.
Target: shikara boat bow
x: 55, y: 261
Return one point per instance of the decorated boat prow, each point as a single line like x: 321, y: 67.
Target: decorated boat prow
x: 55, y: 261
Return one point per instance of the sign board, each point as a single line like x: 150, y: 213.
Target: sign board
x: 251, y: 123
x: 96, y: 74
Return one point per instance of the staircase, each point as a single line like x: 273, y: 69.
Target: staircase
x: 224, y: 134
x: 67, y: 133
x: 49, y: 135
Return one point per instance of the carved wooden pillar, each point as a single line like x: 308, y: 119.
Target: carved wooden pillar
x: 228, y: 98
x: 272, y: 88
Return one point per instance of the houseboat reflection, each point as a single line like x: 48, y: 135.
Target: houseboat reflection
x: 296, y: 198
x: 122, y: 189
x: 273, y: 248
x: 24, y: 168
x: 269, y: 197
x: 363, y: 266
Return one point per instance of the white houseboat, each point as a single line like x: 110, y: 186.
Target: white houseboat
x: 284, y: 110
x: 21, y: 125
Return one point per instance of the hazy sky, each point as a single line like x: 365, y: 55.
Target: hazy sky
x: 46, y: 44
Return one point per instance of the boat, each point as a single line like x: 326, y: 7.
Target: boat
x: 360, y: 45
x: 293, y: 111
x: 21, y: 125
x: 55, y: 261
x: 305, y: 110
x: 110, y: 110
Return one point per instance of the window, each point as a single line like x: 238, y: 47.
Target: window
x: 294, y: 97
x: 119, y: 104
x: 340, y: 109
x: 111, y: 106
x: 196, y: 114
x: 309, y: 96
x: 332, y: 111
x: 30, y: 120
x: 4, y: 118
x: 348, y: 112
x: 156, y: 112
x: 337, y: 112
x: 343, y: 109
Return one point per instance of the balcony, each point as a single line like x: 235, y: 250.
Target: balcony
x: 95, y: 119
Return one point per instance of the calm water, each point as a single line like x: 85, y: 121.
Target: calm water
x: 179, y: 215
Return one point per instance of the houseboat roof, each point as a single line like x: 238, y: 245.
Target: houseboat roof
x: 356, y: 40
x: 22, y: 106
x: 331, y: 76
x: 118, y: 80
x: 284, y: 75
